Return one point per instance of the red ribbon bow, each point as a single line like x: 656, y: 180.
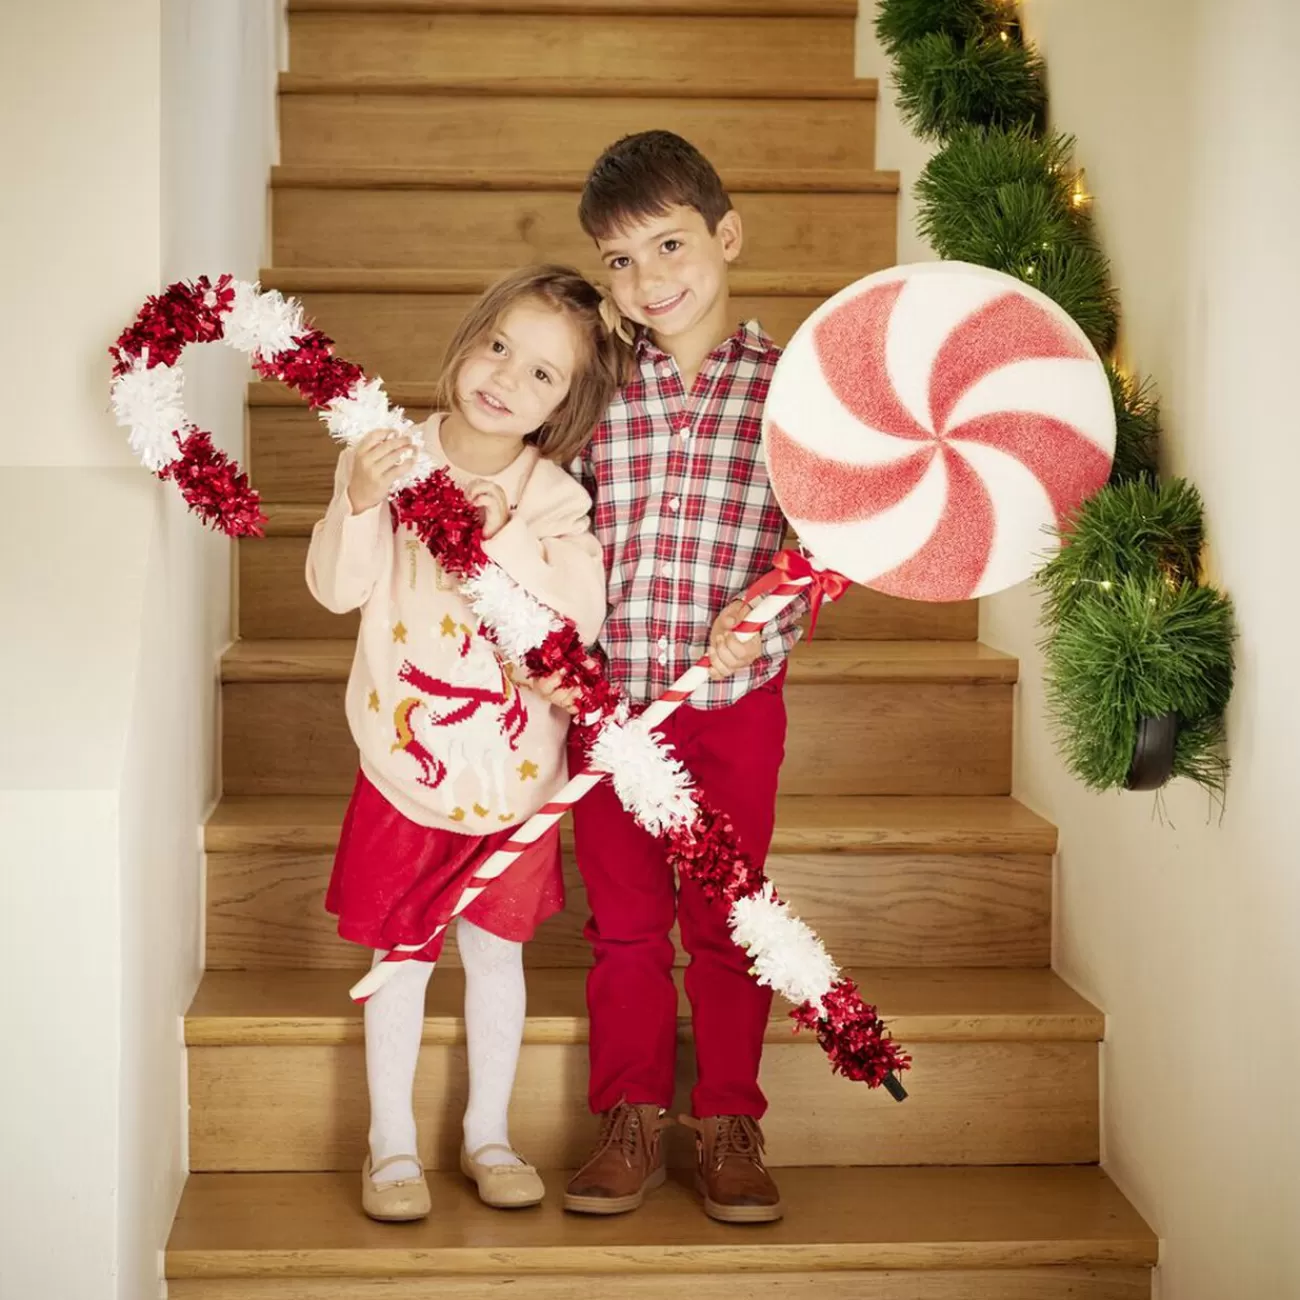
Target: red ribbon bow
x: 825, y: 584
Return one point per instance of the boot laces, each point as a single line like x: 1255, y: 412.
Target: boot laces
x: 621, y: 1127
x: 738, y: 1135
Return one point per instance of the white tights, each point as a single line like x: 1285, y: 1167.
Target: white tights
x: 495, y: 1002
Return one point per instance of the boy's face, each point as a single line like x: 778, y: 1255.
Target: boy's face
x: 667, y: 272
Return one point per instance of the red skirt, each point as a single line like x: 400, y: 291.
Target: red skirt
x: 395, y: 881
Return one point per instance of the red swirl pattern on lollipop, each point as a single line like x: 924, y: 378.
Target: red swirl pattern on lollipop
x: 927, y: 426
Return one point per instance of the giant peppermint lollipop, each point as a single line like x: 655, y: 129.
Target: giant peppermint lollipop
x: 929, y: 425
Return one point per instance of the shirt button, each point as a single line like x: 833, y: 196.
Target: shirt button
x: 663, y: 658
x: 663, y: 643
x: 686, y: 431
x: 675, y: 504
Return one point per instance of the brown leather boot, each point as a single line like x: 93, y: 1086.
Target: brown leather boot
x: 627, y: 1163
x: 731, y: 1175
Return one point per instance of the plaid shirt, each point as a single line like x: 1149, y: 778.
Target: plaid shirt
x: 686, y: 515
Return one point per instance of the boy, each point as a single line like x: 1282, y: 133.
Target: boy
x: 687, y: 519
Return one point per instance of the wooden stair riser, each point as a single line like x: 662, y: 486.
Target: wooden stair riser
x: 266, y: 912
x: 502, y: 132
x: 1069, y: 1283
x: 305, y: 1108
x: 404, y: 336
x: 274, y: 601
x: 291, y: 737
x: 436, y: 228
x: 729, y: 55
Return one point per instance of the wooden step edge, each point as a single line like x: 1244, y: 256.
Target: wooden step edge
x: 659, y: 8
x: 823, y: 663
x: 293, y: 83
x: 739, y: 182
x: 448, y: 1031
x: 287, y: 1225
x: 317, y: 279
x: 953, y: 825
x: 301, y: 1009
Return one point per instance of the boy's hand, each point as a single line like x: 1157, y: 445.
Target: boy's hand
x: 492, y: 504
x: 378, y: 462
x: 728, y: 653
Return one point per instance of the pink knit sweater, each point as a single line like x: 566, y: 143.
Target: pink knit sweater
x: 445, y: 734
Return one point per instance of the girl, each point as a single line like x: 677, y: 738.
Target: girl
x: 454, y: 750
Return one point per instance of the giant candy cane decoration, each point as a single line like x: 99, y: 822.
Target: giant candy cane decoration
x: 146, y: 394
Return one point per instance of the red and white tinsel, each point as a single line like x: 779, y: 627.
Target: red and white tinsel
x: 147, y: 399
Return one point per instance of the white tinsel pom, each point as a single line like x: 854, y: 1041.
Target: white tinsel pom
x: 787, y: 955
x: 652, y: 785
x: 364, y: 409
x: 150, y: 404
x: 519, y: 621
x: 262, y: 323
x: 421, y: 468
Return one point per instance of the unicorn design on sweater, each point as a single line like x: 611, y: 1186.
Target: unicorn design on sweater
x: 459, y: 723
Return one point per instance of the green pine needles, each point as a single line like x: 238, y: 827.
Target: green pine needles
x: 945, y: 84
x: 898, y: 25
x: 1143, y: 648
x: 1129, y: 631
x: 1137, y: 426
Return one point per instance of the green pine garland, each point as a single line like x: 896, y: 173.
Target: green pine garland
x: 1129, y: 632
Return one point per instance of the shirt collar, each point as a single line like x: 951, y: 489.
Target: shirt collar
x: 748, y: 337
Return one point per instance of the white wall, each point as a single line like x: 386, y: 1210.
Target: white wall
x: 1184, y: 928
x: 141, y: 133
x: 219, y: 60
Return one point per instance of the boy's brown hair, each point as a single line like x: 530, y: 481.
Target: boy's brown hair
x: 601, y: 363
x: 643, y: 176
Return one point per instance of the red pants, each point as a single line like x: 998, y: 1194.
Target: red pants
x: 735, y: 756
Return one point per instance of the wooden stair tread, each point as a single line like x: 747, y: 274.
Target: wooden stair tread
x: 570, y: 87
x: 819, y: 662
x: 326, y: 279
x: 311, y: 1224
x: 743, y: 181
x: 675, y: 8
x: 974, y: 824
x: 311, y: 1008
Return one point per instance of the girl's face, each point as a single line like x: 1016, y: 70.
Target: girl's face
x: 516, y: 377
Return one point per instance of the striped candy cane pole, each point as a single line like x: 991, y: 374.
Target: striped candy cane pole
x: 792, y: 576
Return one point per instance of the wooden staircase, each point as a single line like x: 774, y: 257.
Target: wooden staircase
x: 427, y: 145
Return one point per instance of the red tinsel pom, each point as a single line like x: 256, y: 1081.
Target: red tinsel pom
x: 708, y: 853
x: 446, y: 521
x: 852, y: 1035
x: 170, y: 321
x: 311, y: 368
x: 563, y: 652
x: 215, y: 488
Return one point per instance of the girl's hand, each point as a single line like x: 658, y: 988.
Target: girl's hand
x: 378, y: 462
x: 492, y: 504
x: 729, y: 654
x: 563, y: 698
x: 549, y: 689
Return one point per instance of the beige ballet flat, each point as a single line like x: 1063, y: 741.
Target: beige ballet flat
x: 396, y: 1202
x: 505, y: 1187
